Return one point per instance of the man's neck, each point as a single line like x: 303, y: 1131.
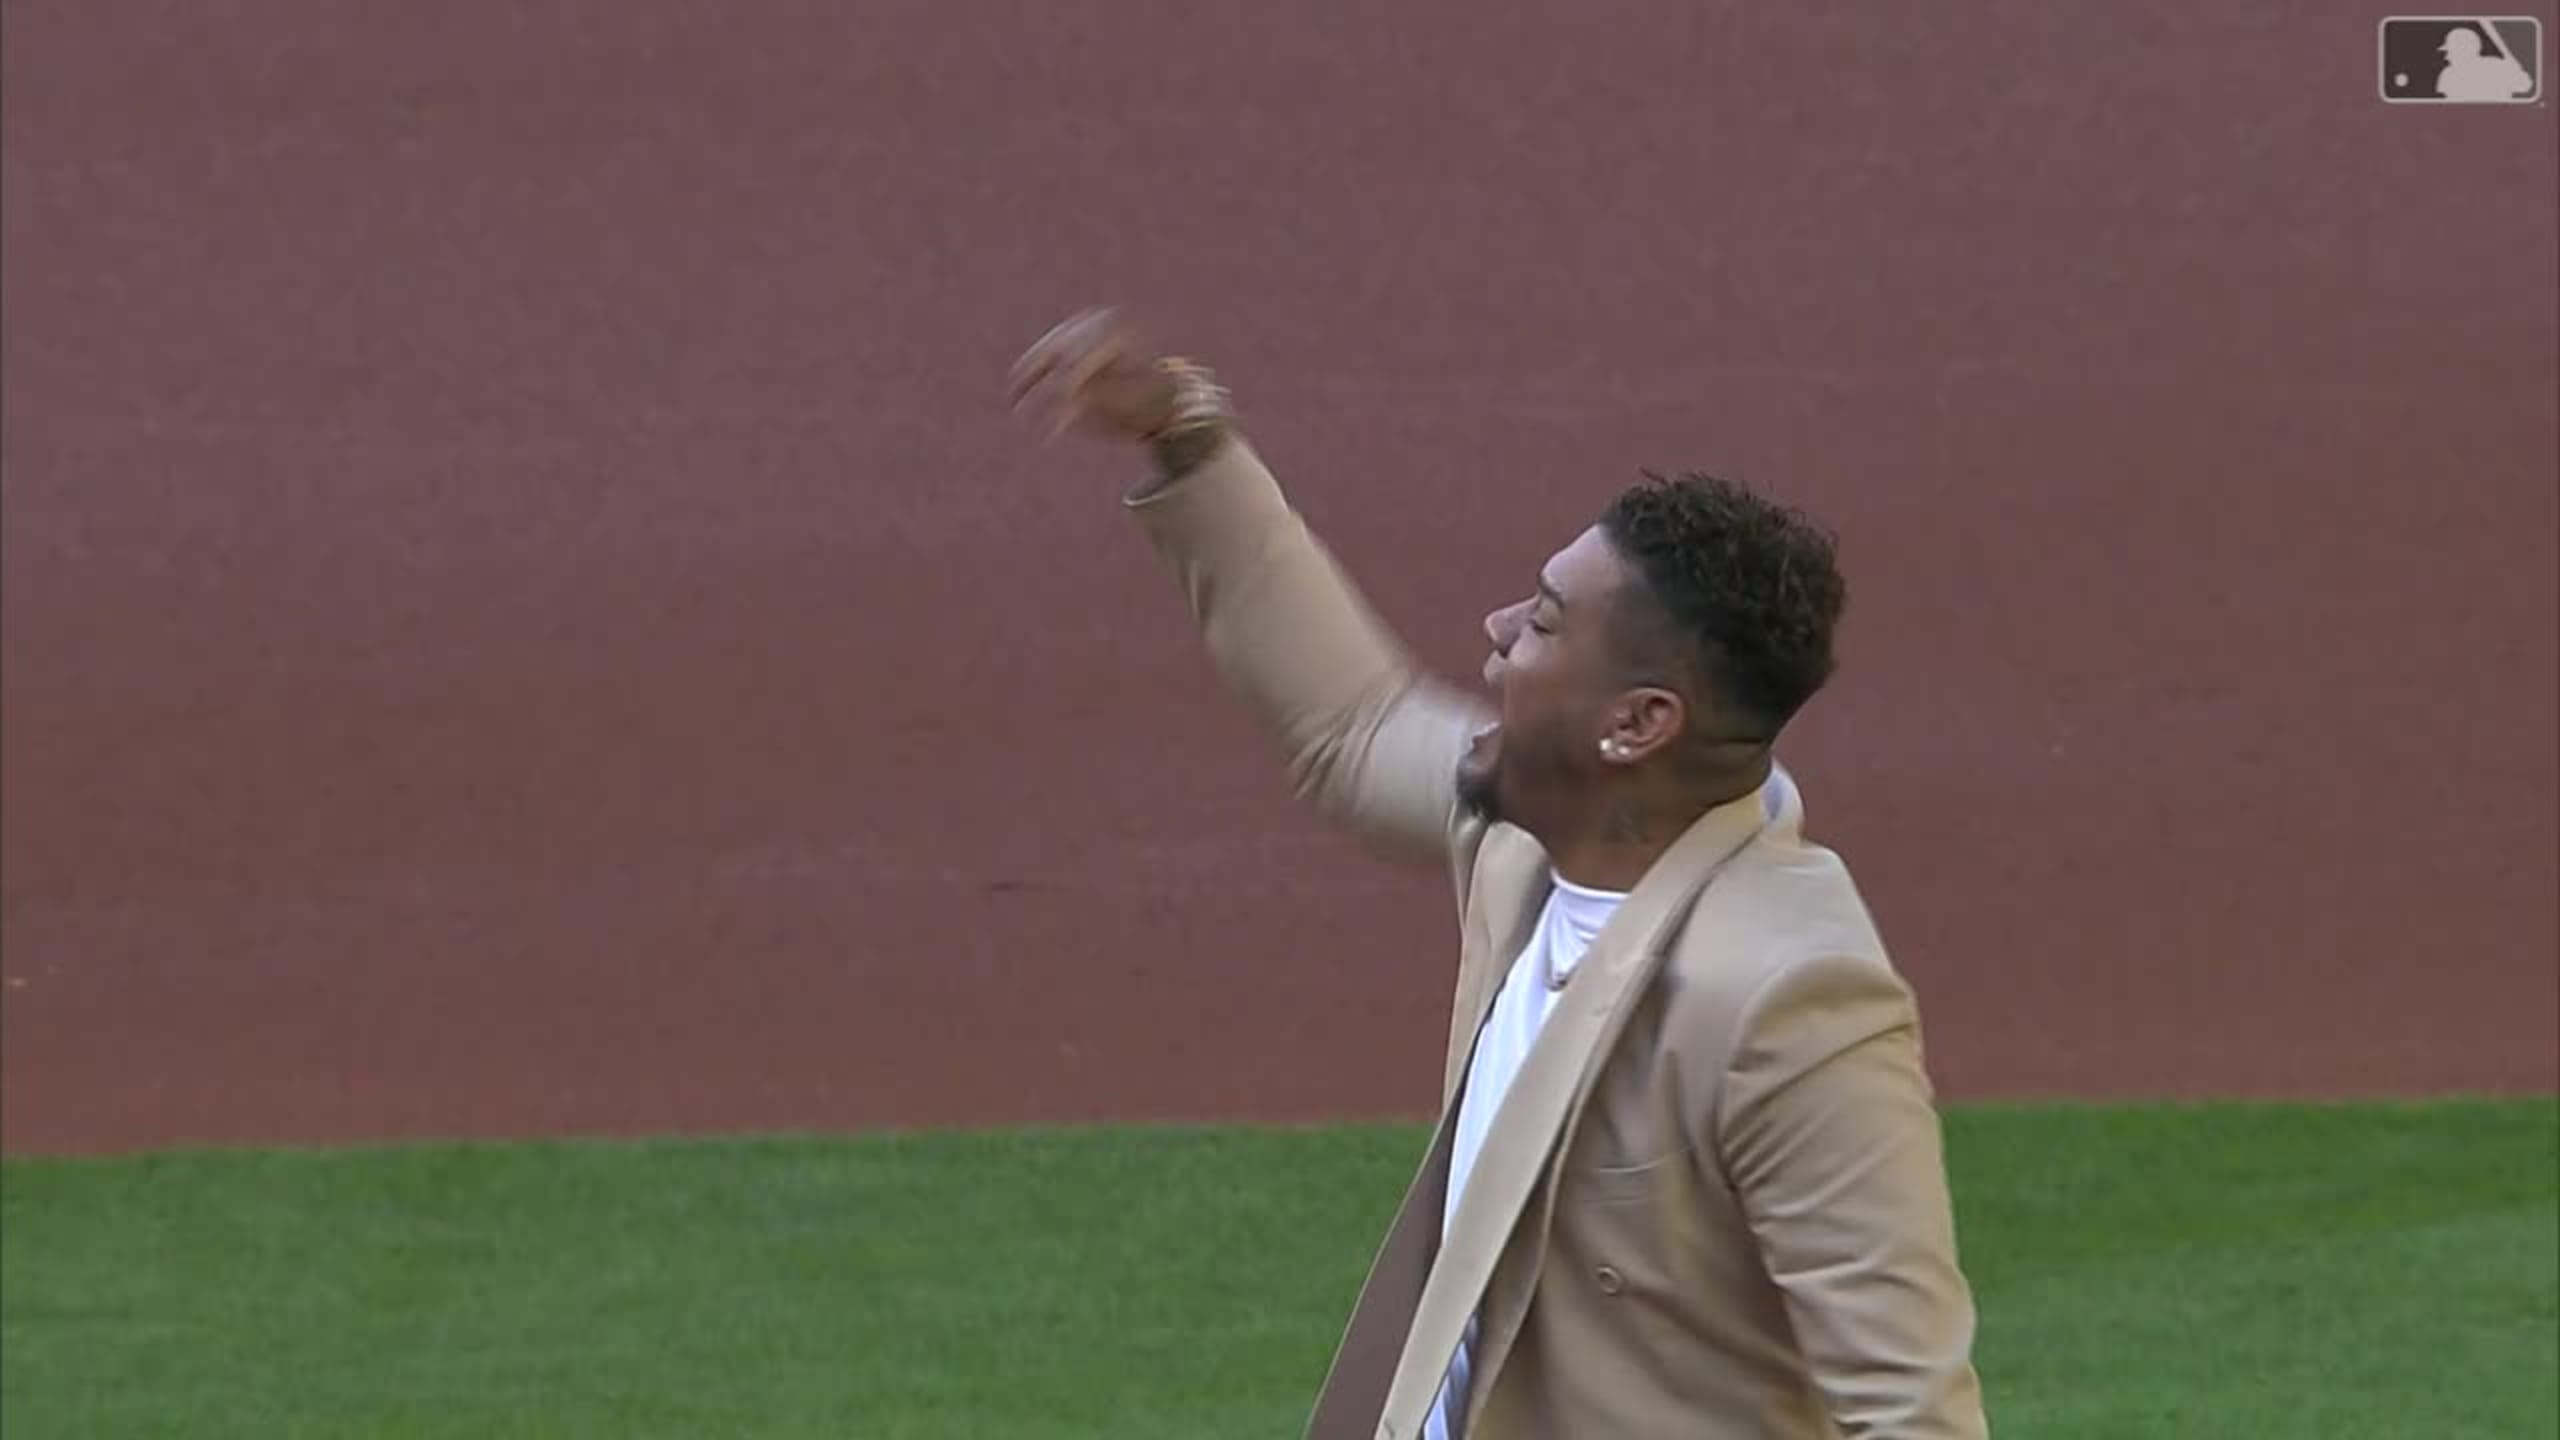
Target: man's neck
x: 1629, y: 832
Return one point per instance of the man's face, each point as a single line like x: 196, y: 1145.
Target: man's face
x: 1555, y: 670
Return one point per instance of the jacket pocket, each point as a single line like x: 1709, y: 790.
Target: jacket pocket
x: 1612, y: 1182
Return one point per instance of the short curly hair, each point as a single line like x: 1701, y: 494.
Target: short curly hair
x: 1746, y: 591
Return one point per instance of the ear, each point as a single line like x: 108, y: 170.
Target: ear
x: 1642, y: 722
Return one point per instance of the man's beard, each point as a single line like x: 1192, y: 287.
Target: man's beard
x: 1524, y: 765
x: 1480, y: 791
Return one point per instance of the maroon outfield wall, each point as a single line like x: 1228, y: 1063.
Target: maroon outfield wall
x: 523, y: 613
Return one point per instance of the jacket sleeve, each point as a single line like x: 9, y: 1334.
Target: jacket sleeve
x: 1831, y: 1140
x: 1370, y: 741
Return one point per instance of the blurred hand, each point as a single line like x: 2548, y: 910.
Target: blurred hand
x: 1091, y: 375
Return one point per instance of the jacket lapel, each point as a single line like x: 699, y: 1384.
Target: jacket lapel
x: 1512, y: 876
x: 1356, y: 1387
x: 1522, y: 1138
x: 1514, y: 880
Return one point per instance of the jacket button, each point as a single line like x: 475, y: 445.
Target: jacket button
x: 1611, y: 1282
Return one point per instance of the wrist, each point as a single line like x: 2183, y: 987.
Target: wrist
x: 1179, y: 452
x: 1197, y: 422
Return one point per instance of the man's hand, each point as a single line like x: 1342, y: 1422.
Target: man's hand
x: 1092, y: 376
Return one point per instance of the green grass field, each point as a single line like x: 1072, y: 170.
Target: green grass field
x: 2257, y: 1272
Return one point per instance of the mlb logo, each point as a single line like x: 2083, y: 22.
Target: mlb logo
x: 2462, y: 60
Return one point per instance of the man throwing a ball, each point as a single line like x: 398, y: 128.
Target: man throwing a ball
x: 1688, y: 1178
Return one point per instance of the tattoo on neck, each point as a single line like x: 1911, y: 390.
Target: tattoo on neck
x: 1626, y: 824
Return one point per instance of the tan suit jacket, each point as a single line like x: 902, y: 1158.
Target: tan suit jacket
x: 1714, y: 1202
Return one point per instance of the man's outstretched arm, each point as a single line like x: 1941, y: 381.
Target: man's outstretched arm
x: 1370, y: 740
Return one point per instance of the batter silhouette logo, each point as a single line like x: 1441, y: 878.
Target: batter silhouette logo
x: 2461, y: 60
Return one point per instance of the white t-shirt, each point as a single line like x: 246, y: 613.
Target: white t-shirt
x: 1572, y: 916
